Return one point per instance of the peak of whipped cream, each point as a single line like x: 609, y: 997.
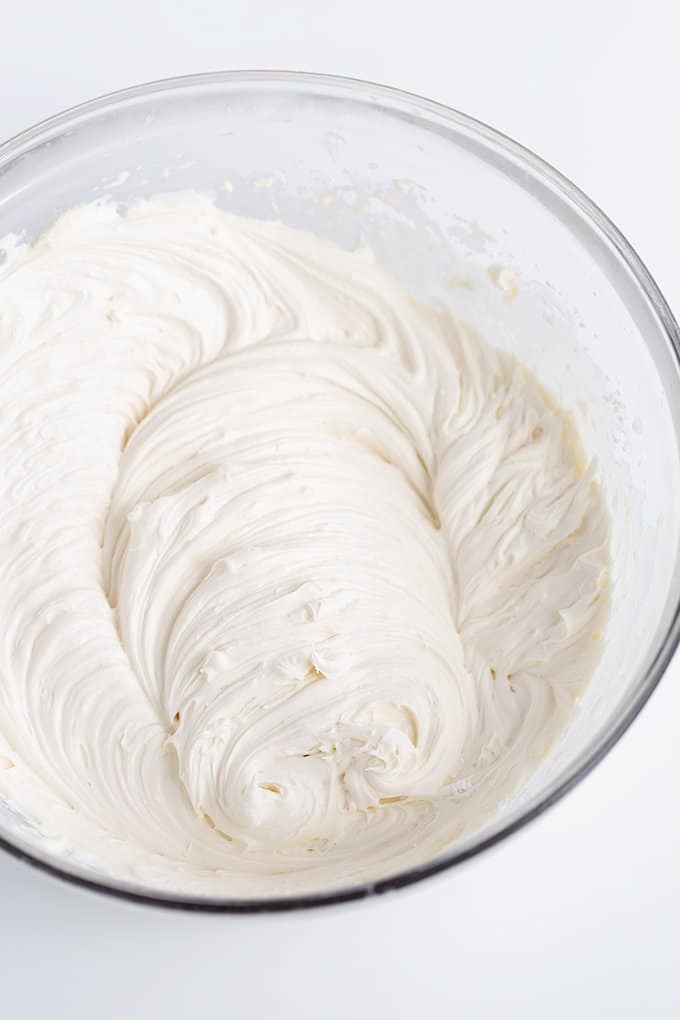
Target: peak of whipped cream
x: 300, y: 578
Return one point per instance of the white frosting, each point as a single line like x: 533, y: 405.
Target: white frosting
x: 299, y: 579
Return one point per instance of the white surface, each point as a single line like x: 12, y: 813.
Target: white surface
x: 578, y: 915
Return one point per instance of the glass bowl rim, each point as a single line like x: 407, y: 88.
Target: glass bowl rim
x: 594, y: 217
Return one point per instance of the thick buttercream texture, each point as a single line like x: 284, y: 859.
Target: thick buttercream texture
x: 299, y: 579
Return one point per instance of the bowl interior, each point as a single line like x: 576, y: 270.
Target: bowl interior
x: 463, y: 218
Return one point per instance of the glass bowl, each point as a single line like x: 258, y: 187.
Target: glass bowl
x: 463, y: 217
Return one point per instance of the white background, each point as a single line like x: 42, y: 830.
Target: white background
x: 578, y: 915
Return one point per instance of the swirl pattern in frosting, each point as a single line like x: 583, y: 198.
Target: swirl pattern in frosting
x: 299, y: 578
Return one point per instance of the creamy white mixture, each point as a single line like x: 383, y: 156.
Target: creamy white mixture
x: 298, y: 578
